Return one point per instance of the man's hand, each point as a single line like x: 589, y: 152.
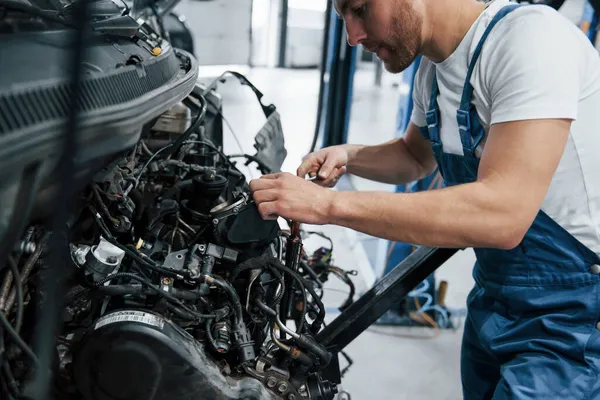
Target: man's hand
x: 329, y: 164
x: 291, y: 197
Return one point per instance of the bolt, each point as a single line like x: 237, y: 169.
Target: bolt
x: 236, y: 210
x: 202, y: 248
x: 26, y: 247
x: 291, y: 396
x: 282, y: 387
x: 166, y: 281
x: 271, y: 382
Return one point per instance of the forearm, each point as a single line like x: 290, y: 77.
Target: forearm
x: 390, y: 162
x: 469, y: 215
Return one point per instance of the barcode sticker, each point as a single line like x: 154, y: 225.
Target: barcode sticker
x: 130, y: 316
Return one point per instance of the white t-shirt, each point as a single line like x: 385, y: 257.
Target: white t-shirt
x: 534, y: 64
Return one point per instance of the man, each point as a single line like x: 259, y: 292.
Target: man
x: 507, y: 104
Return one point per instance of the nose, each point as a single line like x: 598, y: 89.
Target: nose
x: 356, y: 32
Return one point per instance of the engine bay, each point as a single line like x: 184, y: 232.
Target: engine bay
x: 154, y: 277
x: 176, y: 288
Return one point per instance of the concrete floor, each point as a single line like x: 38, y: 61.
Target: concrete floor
x: 389, y: 362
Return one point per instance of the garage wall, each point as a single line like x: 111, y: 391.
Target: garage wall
x: 221, y: 30
x: 305, y: 37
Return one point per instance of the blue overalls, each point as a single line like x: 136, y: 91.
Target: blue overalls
x: 531, y: 330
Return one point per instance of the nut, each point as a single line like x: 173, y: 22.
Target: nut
x: 271, y: 382
x: 282, y: 387
x: 215, y: 221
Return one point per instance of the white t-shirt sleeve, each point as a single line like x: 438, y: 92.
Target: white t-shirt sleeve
x: 529, y: 69
x: 418, y: 114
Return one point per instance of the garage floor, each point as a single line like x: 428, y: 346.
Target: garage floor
x: 389, y: 362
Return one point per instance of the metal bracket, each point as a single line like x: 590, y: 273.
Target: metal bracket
x: 385, y: 294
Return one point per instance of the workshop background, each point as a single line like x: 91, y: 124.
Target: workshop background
x: 278, y: 45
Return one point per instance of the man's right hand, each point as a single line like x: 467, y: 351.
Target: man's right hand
x: 329, y: 164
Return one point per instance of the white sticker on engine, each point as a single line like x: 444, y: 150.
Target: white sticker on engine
x: 130, y: 316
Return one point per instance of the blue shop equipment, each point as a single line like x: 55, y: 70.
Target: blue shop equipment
x: 424, y: 297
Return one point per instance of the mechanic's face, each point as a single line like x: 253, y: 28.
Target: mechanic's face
x: 389, y: 28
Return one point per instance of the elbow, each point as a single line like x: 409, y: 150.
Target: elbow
x: 509, y: 241
x: 507, y: 234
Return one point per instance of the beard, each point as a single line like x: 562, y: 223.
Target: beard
x: 403, y: 40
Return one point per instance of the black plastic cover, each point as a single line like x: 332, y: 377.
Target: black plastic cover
x: 139, y: 355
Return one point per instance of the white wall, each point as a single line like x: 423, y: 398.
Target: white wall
x: 221, y: 30
x: 305, y: 37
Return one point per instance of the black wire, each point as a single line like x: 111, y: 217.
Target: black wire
x: 156, y: 289
x: 14, y: 336
x: 312, y: 273
x: 213, y: 147
x: 19, y: 289
x: 101, y: 224
x: 194, y: 126
x: 9, y: 380
x: 261, y: 166
x: 273, y: 262
x: 103, y: 206
x: 321, y: 317
x: 145, y: 166
x: 324, y: 237
x: 235, y: 299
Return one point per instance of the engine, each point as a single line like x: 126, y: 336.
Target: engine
x: 175, y: 288
x: 156, y: 278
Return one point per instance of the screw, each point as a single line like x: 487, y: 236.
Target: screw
x: 166, y: 281
x: 271, y: 382
x: 282, y: 387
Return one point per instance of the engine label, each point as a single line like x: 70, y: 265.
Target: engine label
x: 130, y: 316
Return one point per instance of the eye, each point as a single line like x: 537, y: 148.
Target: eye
x: 360, y: 11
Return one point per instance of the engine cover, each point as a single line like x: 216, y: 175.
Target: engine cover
x: 140, y: 355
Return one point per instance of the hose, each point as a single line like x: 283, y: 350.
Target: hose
x: 259, y: 263
x: 265, y: 261
x: 233, y: 296
x: 17, y: 340
x: 422, y: 292
x: 19, y: 294
x: 318, y: 322
x: 121, y: 290
x: 154, y: 288
x: 274, y: 314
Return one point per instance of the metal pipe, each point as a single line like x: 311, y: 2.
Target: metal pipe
x: 29, y: 264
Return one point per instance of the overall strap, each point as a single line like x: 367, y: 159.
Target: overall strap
x: 432, y: 115
x: 468, y: 123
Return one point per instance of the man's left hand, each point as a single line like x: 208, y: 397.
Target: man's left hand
x: 293, y: 198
